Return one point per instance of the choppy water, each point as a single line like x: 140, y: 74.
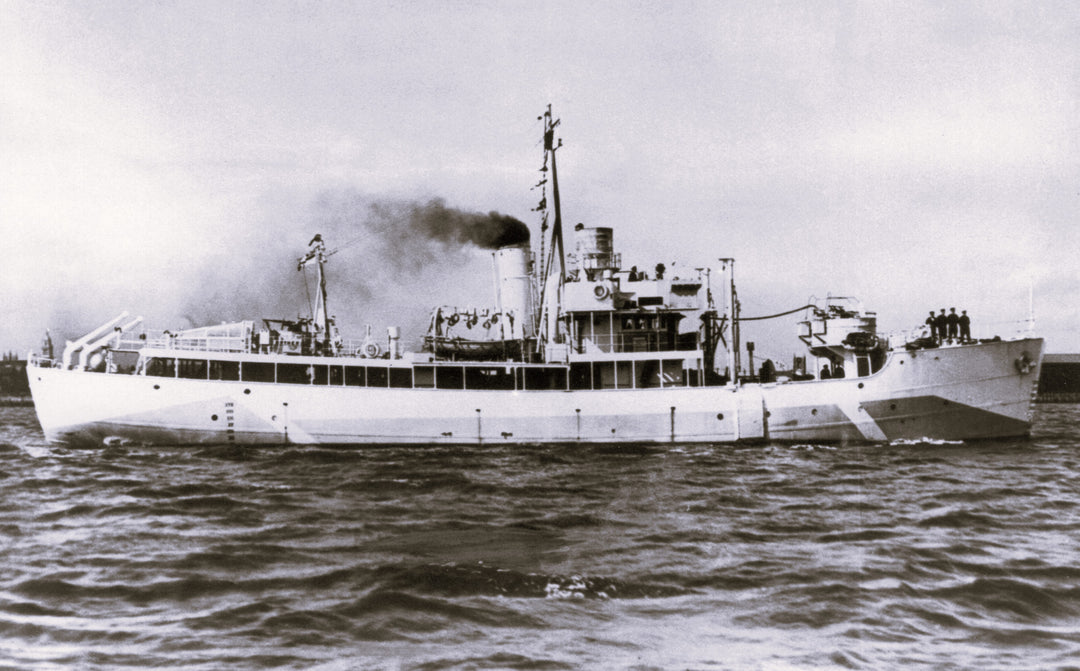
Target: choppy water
x: 950, y: 556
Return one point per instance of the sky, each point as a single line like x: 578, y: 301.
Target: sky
x: 173, y: 159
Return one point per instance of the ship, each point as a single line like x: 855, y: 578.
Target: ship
x: 573, y: 348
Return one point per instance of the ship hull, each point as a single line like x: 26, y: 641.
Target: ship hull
x: 959, y: 393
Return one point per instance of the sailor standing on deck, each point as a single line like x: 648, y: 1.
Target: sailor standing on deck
x: 931, y: 321
x: 953, y: 321
x: 942, y: 324
x: 965, y: 326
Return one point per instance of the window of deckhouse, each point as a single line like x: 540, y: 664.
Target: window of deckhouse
x: 401, y: 378
x: 224, y: 370
x: 355, y: 377
x: 191, y: 369
x: 377, y: 377
x: 161, y: 367
x: 257, y: 371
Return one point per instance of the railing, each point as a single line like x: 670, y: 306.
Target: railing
x: 647, y: 341
x: 1007, y: 330
x: 285, y: 343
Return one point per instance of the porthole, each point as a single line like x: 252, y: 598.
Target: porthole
x: 720, y: 416
x: 213, y: 418
x: 860, y: 385
x: 247, y: 391
x: 814, y: 411
x: 892, y: 406
x: 157, y: 386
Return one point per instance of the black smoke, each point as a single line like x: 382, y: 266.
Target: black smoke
x: 394, y: 260
x: 435, y: 221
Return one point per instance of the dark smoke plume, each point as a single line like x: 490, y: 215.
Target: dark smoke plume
x: 395, y: 261
x: 436, y: 221
x: 420, y: 224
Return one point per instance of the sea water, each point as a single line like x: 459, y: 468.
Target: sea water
x: 916, y: 555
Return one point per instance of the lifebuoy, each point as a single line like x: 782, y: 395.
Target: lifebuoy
x: 372, y: 350
x: 601, y: 291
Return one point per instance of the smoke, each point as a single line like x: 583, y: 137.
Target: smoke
x: 392, y: 262
x: 434, y: 221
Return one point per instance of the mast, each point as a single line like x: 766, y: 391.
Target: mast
x: 549, y: 304
x: 321, y: 318
x: 731, y: 309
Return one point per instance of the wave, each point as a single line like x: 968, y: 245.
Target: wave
x: 960, y: 519
x: 1015, y: 598
x: 484, y: 580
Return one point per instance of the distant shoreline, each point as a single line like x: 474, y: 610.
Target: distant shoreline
x: 15, y: 401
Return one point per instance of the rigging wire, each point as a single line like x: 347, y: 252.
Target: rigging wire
x: 778, y: 314
x: 307, y: 292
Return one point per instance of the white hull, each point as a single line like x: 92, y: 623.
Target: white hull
x: 952, y: 393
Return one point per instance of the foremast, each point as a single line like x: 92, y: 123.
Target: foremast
x: 552, y: 252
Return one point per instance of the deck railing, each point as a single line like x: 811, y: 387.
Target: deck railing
x: 286, y: 343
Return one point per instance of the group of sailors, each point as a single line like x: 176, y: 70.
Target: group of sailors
x: 950, y: 327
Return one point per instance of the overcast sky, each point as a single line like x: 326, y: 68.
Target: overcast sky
x: 916, y: 155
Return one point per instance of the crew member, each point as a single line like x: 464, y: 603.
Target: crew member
x: 953, y: 321
x: 931, y: 321
x: 965, y: 326
x: 942, y: 323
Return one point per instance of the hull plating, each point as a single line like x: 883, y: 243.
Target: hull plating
x: 970, y: 392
